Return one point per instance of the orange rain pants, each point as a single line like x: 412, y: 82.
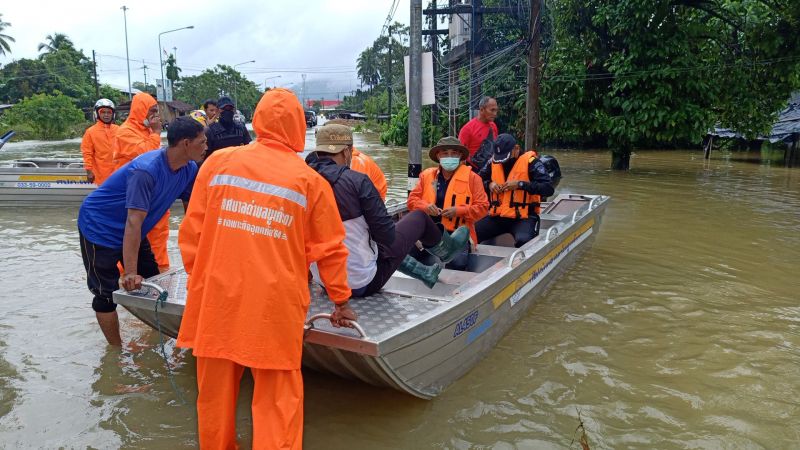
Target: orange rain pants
x: 277, y: 405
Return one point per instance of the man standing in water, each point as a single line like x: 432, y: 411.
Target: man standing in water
x: 478, y: 134
x: 114, y: 219
x: 258, y: 217
x: 97, y: 145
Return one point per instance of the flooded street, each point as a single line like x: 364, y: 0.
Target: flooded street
x: 680, y: 328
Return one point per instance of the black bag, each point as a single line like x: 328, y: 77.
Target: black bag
x: 484, y: 153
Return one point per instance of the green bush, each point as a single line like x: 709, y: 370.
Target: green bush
x: 48, y: 117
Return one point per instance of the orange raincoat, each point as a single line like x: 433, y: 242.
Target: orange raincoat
x: 363, y: 163
x: 258, y: 217
x: 97, y: 147
x: 132, y: 140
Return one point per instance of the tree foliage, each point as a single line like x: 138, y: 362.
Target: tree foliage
x: 173, y: 71
x: 60, y: 68
x: 5, y: 47
x: 47, y: 116
x: 219, y: 81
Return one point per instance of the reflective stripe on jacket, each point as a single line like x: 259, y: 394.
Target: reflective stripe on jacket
x: 514, y: 204
x: 257, y: 218
x: 464, y: 191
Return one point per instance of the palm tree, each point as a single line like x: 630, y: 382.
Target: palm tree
x: 4, y: 38
x: 367, y: 65
x: 54, y: 42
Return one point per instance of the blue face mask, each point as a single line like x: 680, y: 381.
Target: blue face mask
x: 450, y: 162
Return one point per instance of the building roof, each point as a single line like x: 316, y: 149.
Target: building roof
x: 788, y: 124
x: 180, y: 106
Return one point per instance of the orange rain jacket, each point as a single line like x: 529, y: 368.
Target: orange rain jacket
x: 132, y: 140
x: 361, y: 162
x: 257, y: 218
x: 97, y: 147
x: 468, y: 197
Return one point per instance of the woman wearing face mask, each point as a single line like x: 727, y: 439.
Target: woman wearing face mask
x: 452, y: 194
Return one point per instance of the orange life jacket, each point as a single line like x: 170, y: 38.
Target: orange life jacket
x: 514, y: 204
x: 458, y: 193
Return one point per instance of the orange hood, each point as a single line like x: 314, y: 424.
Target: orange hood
x: 141, y: 103
x: 279, y: 117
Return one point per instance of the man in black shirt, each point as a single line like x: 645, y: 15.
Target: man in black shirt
x: 226, y: 132
x: 517, y: 183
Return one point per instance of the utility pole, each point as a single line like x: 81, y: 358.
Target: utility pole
x: 475, y: 57
x: 415, y: 95
x: 532, y: 104
x: 304, y: 90
x: 144, y: 67
x: 127, y: 57
x: 435, y: 53
x: 96, y: 85
x: 389, y: 81
x: 175, y: 55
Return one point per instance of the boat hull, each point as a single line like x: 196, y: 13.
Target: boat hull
x: 48, y: 183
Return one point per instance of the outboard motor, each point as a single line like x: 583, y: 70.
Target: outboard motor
x: 552, y: 168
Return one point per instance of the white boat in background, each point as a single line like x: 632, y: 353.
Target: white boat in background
x: 43, y: 182
x: 409, y: 337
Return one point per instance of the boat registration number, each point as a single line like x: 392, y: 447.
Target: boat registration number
x: 465, y: 324
x: 33, y: 184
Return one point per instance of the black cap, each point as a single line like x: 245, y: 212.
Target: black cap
x: 503, y: 146
x: 224, y: 101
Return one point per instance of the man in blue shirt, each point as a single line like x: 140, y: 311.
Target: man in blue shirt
x: 114, y: 220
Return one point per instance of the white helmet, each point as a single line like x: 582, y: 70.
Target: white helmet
x: 105, y: 103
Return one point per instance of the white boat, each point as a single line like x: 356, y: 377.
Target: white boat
x: 43, y: 182
x: 412, y: 338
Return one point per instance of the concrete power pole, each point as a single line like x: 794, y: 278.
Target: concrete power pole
x: 304, y: 90
x: 415, y: 96
x: 94, y: 69
x: 127, y: 56
x: 144, y: 68
x: 532, y: 103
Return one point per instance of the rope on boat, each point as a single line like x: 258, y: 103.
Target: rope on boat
x: 162, y: 298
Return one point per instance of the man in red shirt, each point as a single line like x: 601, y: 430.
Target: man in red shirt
x: 478, y: 134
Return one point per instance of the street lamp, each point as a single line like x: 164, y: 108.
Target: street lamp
x: 161, y: 60
x: 269, y: 78
x: 127, y: 58
x: 236, y: 84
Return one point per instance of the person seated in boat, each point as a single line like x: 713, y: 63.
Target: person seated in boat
x: 363, y: 163
x: 113, y: 221
x: 451, y: 193
x: 377, y: 245
x: 516, y: 184
x: 97, y: 145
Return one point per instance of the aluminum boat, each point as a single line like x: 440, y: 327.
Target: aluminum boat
x: 412, y: 338
x: 43, y: 182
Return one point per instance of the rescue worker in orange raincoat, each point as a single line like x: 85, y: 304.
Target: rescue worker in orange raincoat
x: 258, y: 217
x: 141, y: 133
x: 361, y: 162
x: 451, y: 193
x: 98, y: 142
x: 517, y: 183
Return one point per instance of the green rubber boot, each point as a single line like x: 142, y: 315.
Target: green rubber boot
x: 415, y: 269
x: 450, y: 245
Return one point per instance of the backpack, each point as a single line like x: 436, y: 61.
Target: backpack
x: 484, y: 153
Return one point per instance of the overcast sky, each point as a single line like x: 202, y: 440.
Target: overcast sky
x: 286, y: 38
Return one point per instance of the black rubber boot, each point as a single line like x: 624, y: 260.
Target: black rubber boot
x: 450, y: 245
x: 415, y: 269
